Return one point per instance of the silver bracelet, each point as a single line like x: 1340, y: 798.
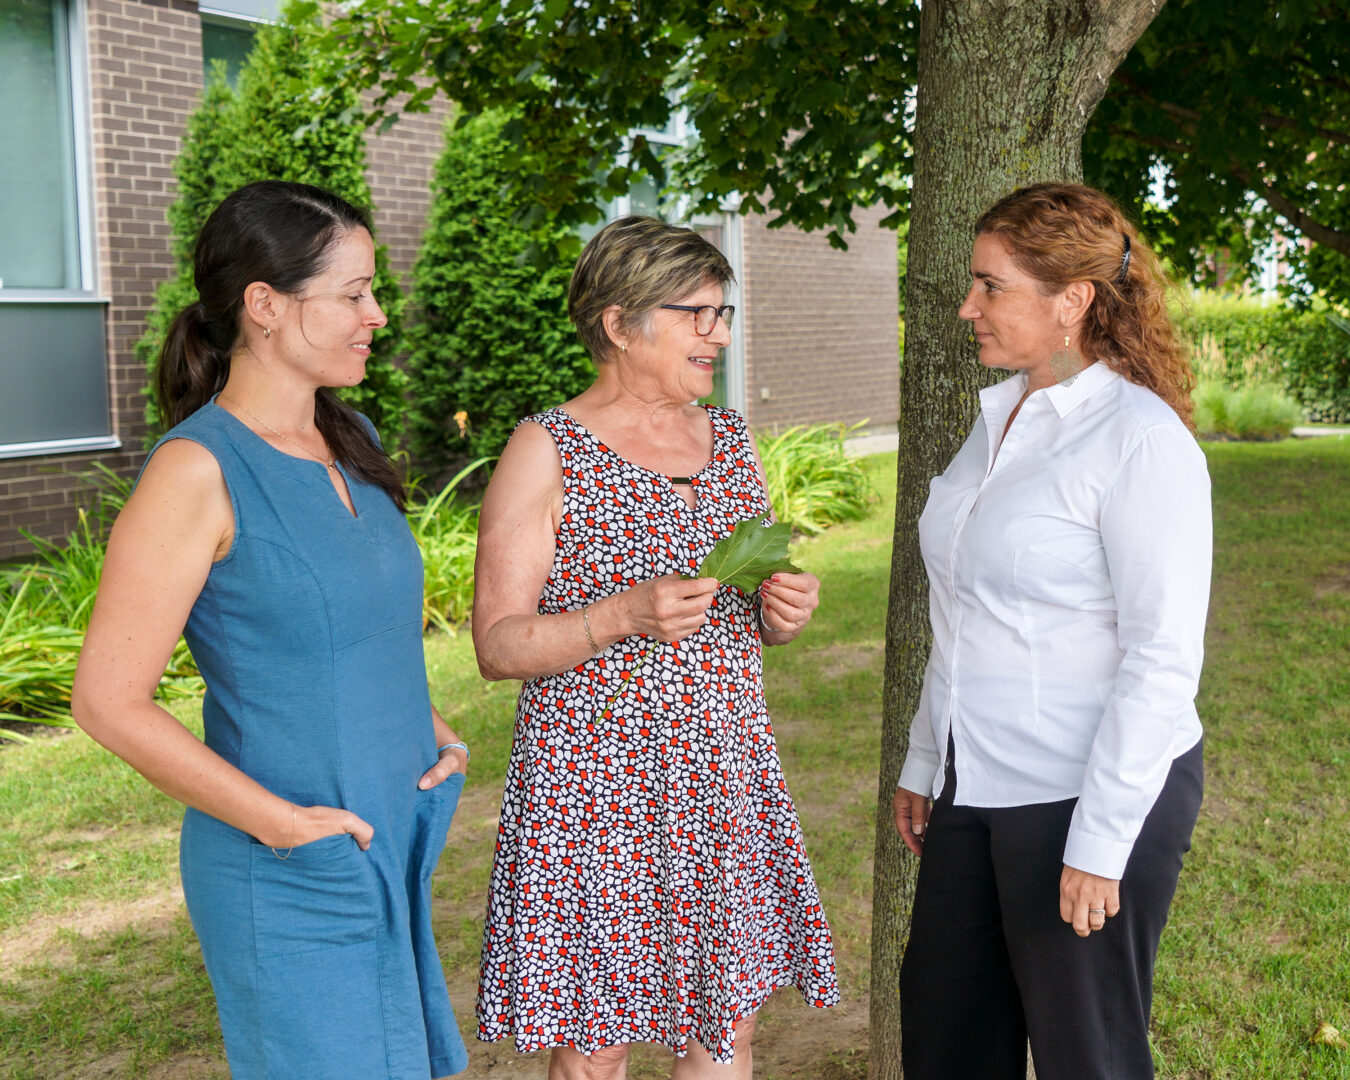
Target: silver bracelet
x: 766, y: 626
x: 586, y: 625
x: 278, y: 854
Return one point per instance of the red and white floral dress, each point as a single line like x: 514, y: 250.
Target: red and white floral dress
x: 650, y: 882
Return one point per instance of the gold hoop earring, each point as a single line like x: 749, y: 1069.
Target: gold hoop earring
x: 267, y: 331
x: 1066, y: 364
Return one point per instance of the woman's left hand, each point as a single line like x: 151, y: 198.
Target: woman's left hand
x: 452, y: 760
x: 787, y: 602
x: 1086, y: 900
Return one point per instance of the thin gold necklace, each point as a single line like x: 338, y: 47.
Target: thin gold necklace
x: 330, y: 462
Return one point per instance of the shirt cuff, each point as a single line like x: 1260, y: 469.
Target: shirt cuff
x: 1098, y: 855
x: 919, y: 772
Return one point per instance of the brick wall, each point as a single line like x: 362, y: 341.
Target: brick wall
x: 144, y: 75
x: 399, y: 167
x: 821, y: 335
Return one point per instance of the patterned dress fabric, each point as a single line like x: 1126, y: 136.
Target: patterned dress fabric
x: 650, y: 882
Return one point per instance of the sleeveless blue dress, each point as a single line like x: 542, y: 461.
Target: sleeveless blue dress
x: 309, y: 636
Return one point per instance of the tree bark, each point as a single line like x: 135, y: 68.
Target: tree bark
x: 1005, y: 90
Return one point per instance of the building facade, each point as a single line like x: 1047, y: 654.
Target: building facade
x: 94, y: 98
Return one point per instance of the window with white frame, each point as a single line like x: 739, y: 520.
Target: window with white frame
x: 54, y: 380
x: 39, y: 203
x: 228, y: 30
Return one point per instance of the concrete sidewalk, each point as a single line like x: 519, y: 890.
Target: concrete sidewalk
x: 862, y: 445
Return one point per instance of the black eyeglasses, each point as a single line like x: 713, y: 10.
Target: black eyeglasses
x: 706, y: 315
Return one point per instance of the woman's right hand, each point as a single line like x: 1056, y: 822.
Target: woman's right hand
x: 315, y: 822
x: 911, y: 817
x: 668, y: 608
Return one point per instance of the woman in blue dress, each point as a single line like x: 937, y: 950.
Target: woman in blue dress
x: 268, y: 528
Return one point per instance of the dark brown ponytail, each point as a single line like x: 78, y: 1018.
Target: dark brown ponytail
x: 283, y: 234
x: 191, y: 366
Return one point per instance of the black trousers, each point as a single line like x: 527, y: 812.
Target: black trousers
x: 990, y: 963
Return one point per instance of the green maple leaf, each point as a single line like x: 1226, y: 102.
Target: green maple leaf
x: 750, y: 553
x: 753, y: 551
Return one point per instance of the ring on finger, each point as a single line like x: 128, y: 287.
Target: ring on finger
x: 1097, y: 911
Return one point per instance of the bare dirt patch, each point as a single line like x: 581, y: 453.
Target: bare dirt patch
x: 840, y: 660
x: 39, y: 938
x: 792, y: 1042
x: 33, y: 731
x: 1335, y: 582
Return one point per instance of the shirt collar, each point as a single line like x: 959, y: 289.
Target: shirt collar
x: 998, y: 401
x: 1067, y: 396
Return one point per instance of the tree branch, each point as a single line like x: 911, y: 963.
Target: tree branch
x: 1192, y: 117
x: 1335, y: 239
x: 1150, y: 140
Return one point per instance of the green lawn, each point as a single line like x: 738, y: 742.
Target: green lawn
x: 1255, y: 957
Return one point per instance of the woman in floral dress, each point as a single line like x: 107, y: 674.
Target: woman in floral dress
x: 650, y: 881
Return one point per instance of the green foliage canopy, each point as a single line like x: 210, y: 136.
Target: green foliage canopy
x: 805, y: 107
x: 1247, y: 105
x: 800, y: 103
x: 492, y: 340
x: 1307, y: 353
x: 287, y: 121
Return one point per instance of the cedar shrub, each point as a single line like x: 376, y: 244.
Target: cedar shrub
x: 492, y: 340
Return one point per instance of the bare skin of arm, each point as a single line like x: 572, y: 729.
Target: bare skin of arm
x: 516, y: 530
x: 178, y: 522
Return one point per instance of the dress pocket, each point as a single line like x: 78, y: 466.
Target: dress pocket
x: 321, y: 1014
x: 435, y: 810
x: 321, y: 896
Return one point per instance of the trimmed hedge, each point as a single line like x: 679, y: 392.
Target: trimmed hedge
x: 492, y: 341
x: 1308, y: 353
x: 287, y: 121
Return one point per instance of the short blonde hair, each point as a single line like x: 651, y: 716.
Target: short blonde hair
x: 638, y: 264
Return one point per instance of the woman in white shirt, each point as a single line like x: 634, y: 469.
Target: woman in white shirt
x: 1068, y: 555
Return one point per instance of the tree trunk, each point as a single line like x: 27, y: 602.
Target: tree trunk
x: 1005, y: 90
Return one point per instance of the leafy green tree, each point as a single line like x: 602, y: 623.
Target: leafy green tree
x: 806, y: 107
x: 286, y: 121
x: 1246, y: 105
x: 800, y: 103
x: 492, y: 341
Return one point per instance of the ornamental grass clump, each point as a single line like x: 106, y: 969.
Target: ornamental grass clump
x: 447, y: 533
x: 1257, y: 411
x: 45, y: 606
x: 812, y: 482
x: 37, y: 660
x: 65, y: 576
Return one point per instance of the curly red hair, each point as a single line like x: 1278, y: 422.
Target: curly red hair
x: 1061, y: 233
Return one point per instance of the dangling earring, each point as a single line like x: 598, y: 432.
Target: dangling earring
x: 267, y: 332
x: 1066, y: 364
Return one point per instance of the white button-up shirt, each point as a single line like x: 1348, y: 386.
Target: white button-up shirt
x: 1069, y: 574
